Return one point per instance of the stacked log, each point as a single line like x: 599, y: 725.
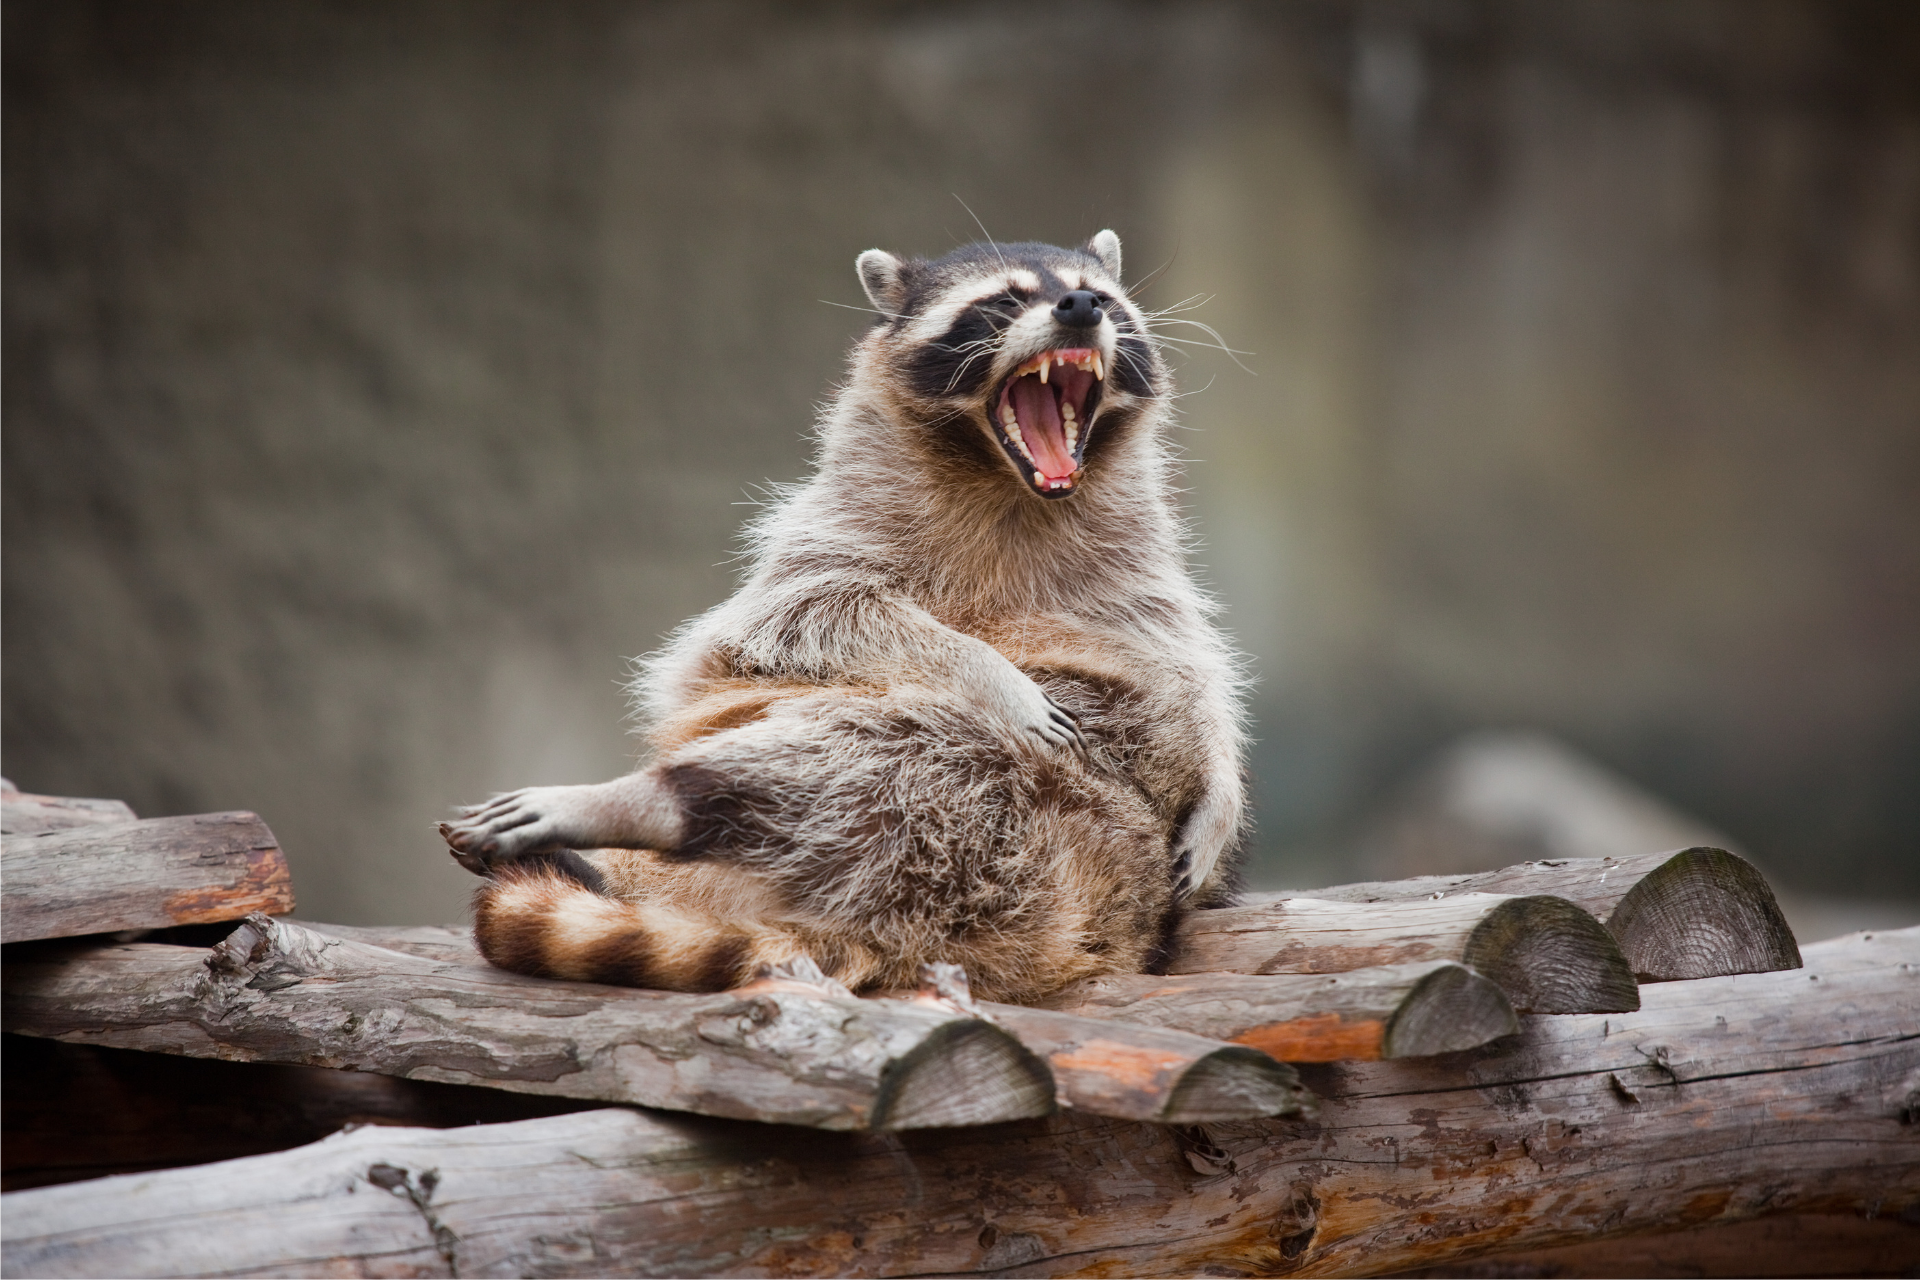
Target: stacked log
x: 1720, y: 1101
x: 1548, y: 954
x: 1696, y: 913
x: 1489, y: 1074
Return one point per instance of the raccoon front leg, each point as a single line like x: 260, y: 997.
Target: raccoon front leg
x: 1211, y: 829
x: 634, y: 812
x: 826, y: 633
x: 1215, y: 822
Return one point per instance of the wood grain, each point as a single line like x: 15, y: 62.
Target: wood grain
x: 63, y: 882
x: 1720, y: 1101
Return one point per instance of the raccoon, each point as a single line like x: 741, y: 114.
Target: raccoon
x: 968, y: 705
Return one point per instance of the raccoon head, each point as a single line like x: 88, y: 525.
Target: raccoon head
x: 1021, y: 356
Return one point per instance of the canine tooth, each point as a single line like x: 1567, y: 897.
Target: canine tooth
x: 1044, y: 362
x: 1039, y: 479
x: 1099, y: 370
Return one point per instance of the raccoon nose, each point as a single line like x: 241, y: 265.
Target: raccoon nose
x: 1078, y: 310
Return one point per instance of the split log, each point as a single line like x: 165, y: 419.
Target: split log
x: 145, y: 874
x: 1547, y: 954
x: 784, y: 1050
x: 1719, y: 1101
x: 1100, y: 1066
x: 1393, y: 1011
x: 24, y: 814
x: 1698, y: 913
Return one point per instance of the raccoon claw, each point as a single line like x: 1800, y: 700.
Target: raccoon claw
x: 1062, y: 728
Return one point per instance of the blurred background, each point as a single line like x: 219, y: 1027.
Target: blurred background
x: 382, y: 377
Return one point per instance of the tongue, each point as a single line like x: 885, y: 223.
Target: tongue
x: 1040, y: 426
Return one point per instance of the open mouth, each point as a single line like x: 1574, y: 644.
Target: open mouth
x: 1042, y: 416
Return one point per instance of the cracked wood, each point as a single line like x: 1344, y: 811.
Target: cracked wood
x: 1720, y: 1101
x: 278, y: 992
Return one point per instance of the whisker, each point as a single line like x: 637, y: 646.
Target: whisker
x: 868, y: 310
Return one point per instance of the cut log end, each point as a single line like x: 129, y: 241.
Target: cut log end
x: 1236, y: 1083
x: 964, y: 1073
x: 1451, y: 1009
x: 1551, y: 956
x: 1703, y: 913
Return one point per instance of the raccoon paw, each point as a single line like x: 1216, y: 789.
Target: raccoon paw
x: 521, y: 823
x: 1033, y: 712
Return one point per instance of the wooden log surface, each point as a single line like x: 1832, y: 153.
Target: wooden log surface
x: 777, y: 1051
x: 1719, y: 1101
x: 1548, y: 954
x: 1392, y: 1011
x: 1706, y: 914
x: 1108, y: 1068
x: 62, y: 882
x: 24, y: 814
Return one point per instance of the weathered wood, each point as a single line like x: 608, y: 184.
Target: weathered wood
x: 1700, y: 913
x: 24, y: 814
x: 1099, y: 1066
x: 1719, y: 1101
x: 780, y: 1050
x: 1546, y: 953
x: 1717, y: 895
x: 145, y: 874
x: 1392, y: 1011
x: 79, y: 1111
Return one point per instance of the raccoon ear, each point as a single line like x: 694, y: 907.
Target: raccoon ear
x: 1106, y: 246
x: 883, y: 276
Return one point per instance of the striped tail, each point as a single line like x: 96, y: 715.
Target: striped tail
x: 551, y: 918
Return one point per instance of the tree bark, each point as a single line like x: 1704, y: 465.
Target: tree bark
x: 1707, y: 913
x: 62, y: 882
x: 1547, y: 954
x: 1107, y: 1068
x: 1392, y: 1011
x: 778, y: 1051
x: 1719, y: 1101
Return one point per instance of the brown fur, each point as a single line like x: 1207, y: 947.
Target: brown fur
x: 853, y: 757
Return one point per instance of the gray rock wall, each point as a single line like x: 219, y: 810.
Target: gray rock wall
x: 379, y: 378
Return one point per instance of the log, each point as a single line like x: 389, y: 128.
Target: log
x: 1701, y: 913
x: 1099, y: 1066
x: 1392, y: 1011
x: 146, y: 874
x: 783, y: 1049
x: 1708, y: 913
x: 25, y: 814
x: 80, y: 1111
x: 1133, y: 1072
x: 1720, y: 1101
x: 1546, y: 953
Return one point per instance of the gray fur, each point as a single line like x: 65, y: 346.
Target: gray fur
x: 944, y: 718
